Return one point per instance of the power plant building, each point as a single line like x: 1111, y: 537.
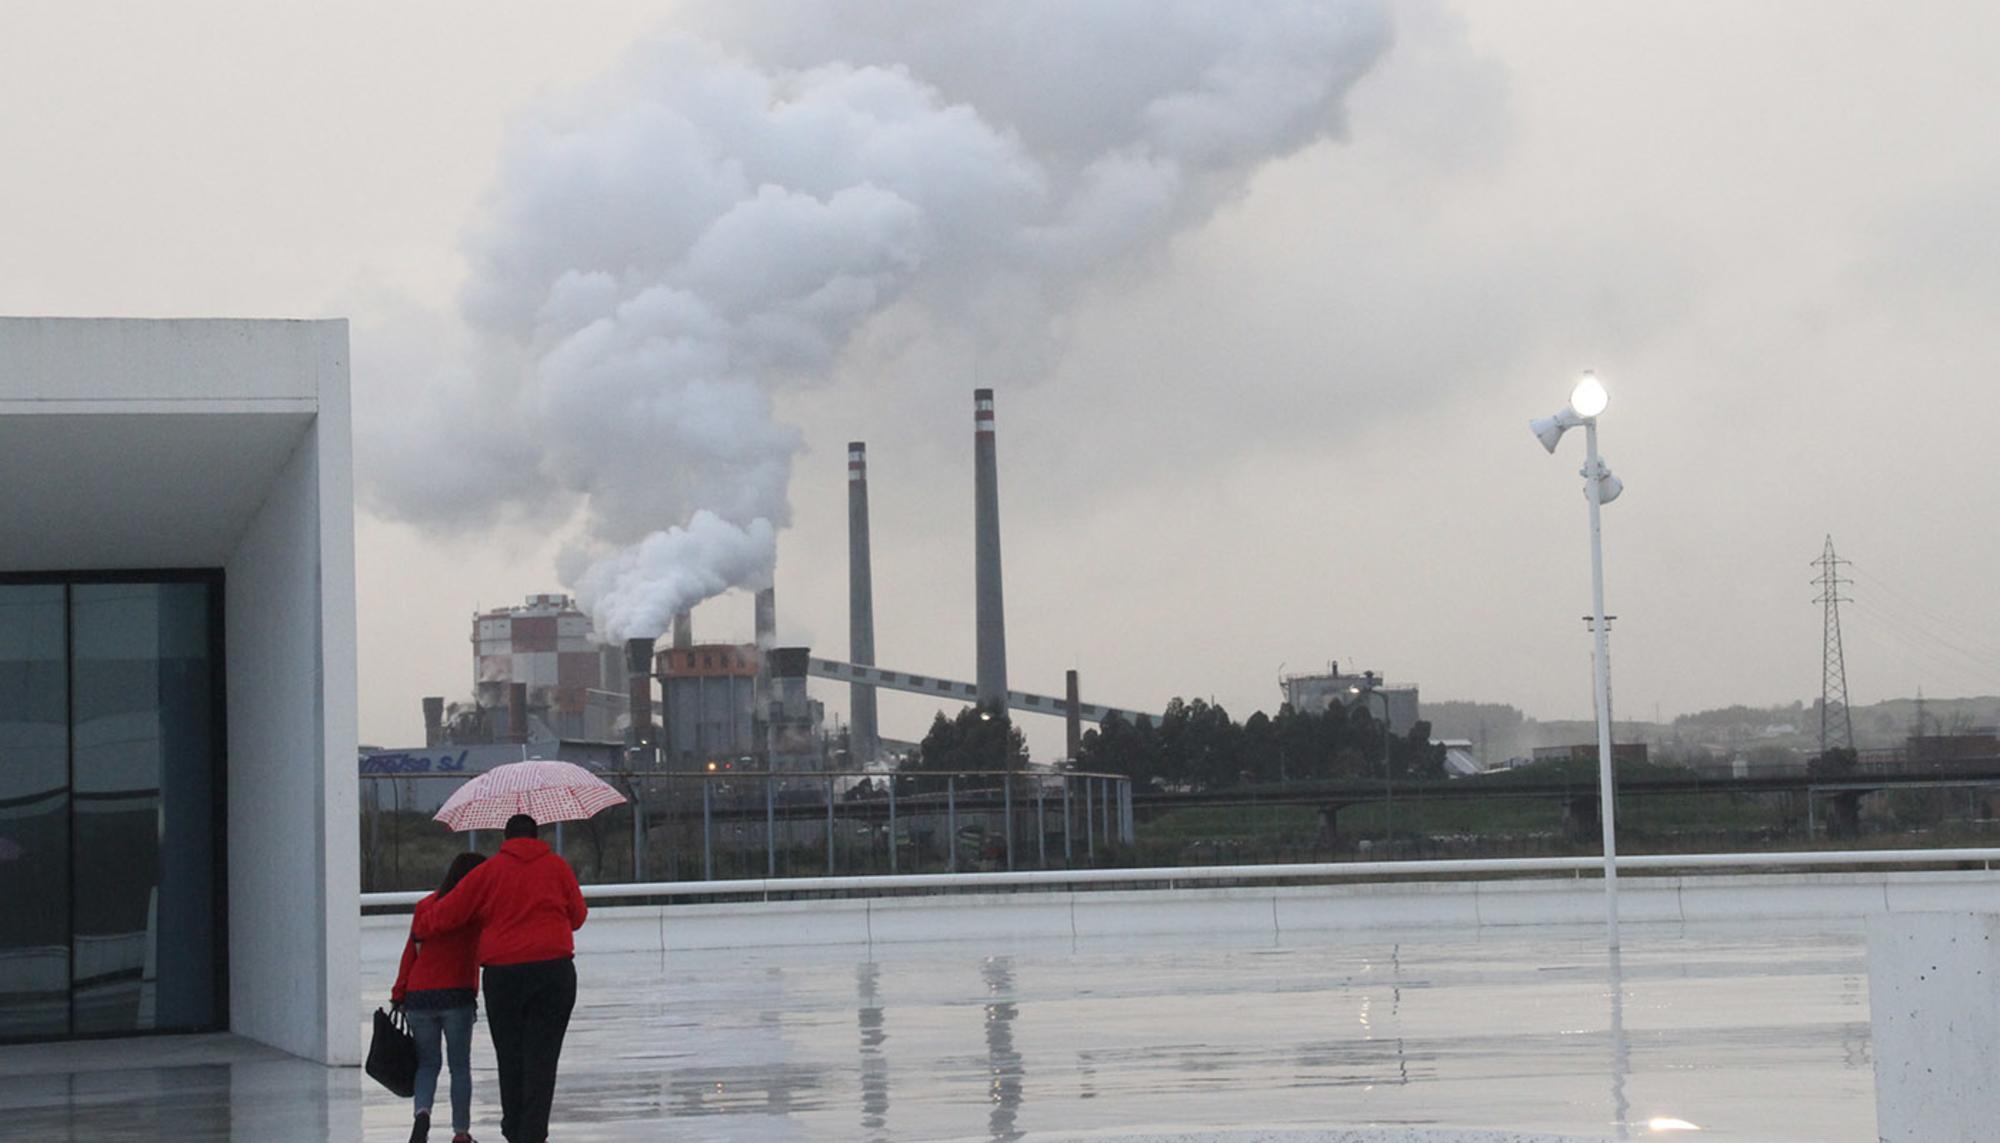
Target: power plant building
x: 709, y: 692
x: 575, y: 684
x: 738, y: 705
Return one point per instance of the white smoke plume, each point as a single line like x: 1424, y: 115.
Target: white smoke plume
x: 724, y: 215
x: 638, y: 588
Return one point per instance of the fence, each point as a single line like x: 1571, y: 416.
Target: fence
x: 1960, y: 862
x: 730, y: 825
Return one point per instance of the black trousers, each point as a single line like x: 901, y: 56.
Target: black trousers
x: 527, y: 1010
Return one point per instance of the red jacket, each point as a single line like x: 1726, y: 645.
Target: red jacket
x: 524, y: 900
x: 443, y: 961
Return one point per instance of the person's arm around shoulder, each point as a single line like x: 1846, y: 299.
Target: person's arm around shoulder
x: 455, y: 909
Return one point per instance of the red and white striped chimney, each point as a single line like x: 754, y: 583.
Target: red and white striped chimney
x: 990, y: 611
x: 863, y: 740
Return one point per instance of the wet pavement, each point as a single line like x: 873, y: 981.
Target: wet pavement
x: 1747, y: 1033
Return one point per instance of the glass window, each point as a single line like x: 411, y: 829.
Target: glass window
x: 34, y: 813
x: 109, y: 763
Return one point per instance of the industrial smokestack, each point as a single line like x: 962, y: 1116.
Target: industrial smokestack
x: 760, y: 687
x: 683, y: 630
x: 864, y: 740
x: 517, y: 712
x: 991, y: 618
x: 767, y: 618
x: 1073, y: 717
x: 639, y: 688
x: 433, y: 720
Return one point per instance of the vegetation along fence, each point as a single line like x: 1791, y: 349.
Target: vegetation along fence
x: 722, y: 826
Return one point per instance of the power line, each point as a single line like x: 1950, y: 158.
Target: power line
x: 1930, y: 624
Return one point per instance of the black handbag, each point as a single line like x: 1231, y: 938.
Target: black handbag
x: 392, y: 1054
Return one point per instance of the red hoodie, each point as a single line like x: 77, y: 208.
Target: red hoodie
x: 524, y: 900
x: 444, y: 961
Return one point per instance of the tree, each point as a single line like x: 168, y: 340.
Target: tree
x: 1260, y: 749
x: 979, y: 739
x: 1417, y: 757
x: 1214, y: 746
x: 1173, y: 766
x: 1302, y: 752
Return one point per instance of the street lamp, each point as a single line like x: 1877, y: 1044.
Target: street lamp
x: 1388, y: 775
x: 1586, y: 401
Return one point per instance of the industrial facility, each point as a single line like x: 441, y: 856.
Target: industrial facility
x: 1313, y: 694
x: 542, y: 679
x: 731, y: 705
x: 540, y: 663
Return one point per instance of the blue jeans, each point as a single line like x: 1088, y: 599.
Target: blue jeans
x: 455, y: 1024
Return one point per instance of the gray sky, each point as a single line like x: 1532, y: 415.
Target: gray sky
x: 1291, y: 432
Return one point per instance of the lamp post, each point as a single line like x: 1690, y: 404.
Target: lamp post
x: 1388, y: 775
x: 1586, y: 401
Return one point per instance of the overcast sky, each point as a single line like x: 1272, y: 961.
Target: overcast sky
x: 1289, y: 427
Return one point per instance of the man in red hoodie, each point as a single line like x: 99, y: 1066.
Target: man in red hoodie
x: 526, y: 903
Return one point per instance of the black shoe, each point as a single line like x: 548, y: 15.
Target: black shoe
x: 420, y: 1131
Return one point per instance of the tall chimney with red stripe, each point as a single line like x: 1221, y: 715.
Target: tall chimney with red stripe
x: 990, y: 611
x: 864, y: 742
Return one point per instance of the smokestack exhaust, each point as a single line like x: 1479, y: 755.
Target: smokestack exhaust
x: 865, y: 741
x: 990, y: 613
x: 683, y: 629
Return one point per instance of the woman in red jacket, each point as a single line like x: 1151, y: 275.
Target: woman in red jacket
x: 435, y: 987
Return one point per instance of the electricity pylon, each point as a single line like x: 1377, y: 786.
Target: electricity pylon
x: 1836, y: 725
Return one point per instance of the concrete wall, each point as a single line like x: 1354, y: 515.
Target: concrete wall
x: 294, y: 871
x: 1842, y: 898
x: 1934, y: 1006
x: 248, y: 364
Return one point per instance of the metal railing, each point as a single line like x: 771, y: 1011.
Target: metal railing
x: 767, y: 888
x: 729, y: 825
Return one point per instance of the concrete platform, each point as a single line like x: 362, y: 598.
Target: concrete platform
x: 1749, y: 1033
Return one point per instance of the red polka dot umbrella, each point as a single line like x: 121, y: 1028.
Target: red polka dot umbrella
x: 545, y: 791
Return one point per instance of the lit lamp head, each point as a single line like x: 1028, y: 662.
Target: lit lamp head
x: 1586, y: 400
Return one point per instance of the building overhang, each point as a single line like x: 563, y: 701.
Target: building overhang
x: 106, y: 489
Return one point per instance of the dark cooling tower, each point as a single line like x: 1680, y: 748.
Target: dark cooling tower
x: 517, y: 712
x: 434, y: 720
x: 864, y: 743
x: 766, y: 626
x: 991, y: 618
x: 639, y: 678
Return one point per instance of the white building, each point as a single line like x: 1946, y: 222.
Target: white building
x: 1313, y: 694
x: 177, y: 682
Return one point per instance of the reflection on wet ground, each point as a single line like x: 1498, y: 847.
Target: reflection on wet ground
x: 1750, y: 1034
